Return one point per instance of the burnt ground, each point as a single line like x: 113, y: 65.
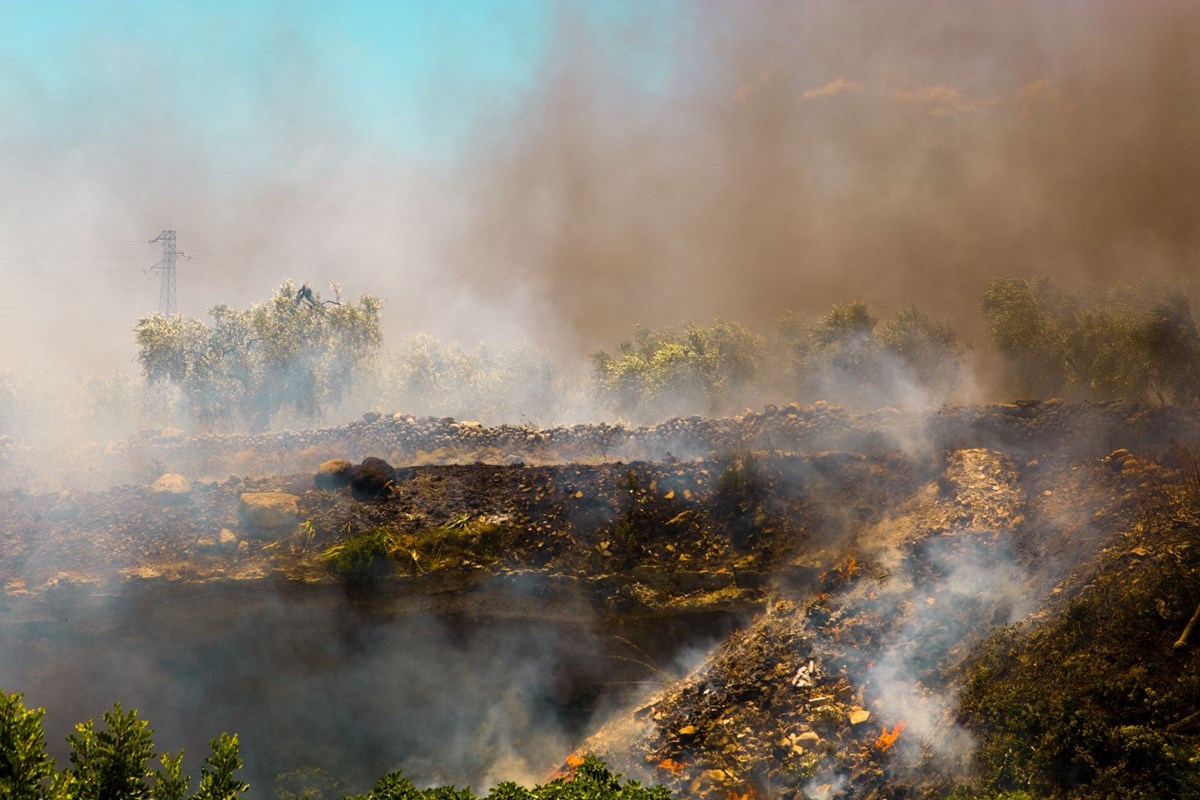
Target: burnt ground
x: 977, y: 619
x: 638, y: 537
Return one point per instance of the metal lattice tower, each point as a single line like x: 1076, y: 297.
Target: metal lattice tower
x: 166, y: 293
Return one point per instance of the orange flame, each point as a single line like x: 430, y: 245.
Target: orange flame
x: 749, y: 795
x: 672, y: 766
x: 886, y: 740
x: 568, y: 771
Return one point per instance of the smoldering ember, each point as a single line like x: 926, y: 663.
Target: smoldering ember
x: 620, y: 400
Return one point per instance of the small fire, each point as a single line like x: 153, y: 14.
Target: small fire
x: 886, y: 740
x: 750, y: 794
x: 676, y: 768
x: 568, y: 771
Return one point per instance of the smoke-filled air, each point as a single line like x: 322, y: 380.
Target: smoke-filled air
x: 638, y: 400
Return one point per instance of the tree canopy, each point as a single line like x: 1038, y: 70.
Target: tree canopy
x: 848, y: 356
x: 293, y: 351
x: 1132, y: 341
x: 667, y: 370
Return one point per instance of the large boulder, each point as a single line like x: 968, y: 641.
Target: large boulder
x: 269, y: 511
x: 371, y: 479
x: 333, y: 474
x: 171, y: 489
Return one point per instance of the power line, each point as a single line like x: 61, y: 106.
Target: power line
x: 61, y: 257
x: 191, y: 255
x: 73, y: 241
x: 74, y: 271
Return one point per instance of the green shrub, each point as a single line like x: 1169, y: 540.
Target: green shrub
x: 362, y: 556
x: 110, y: 764
x: 592, y: 781
x: 690, y: 369
x: 217, y: 781
x: 106, y: 764
x: 24, y: 765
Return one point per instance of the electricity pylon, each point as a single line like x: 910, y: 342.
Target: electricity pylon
x: 166, y: 292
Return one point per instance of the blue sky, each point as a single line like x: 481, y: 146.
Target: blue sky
x: 415, y: 76
x: 230, y: 72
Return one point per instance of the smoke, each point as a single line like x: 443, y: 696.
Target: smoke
x: 660, y: 162
x: 975, y: 587
x: 312, y: 683
x: 793, y: 156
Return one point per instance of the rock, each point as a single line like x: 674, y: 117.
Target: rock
x: 371, y: 416
x: 171, y: 488
x: 206, y: 544
x: 269, y: 511
x: 333, y: 474
x: 228, y: 540
x: 64, y: 508
x: 1118, y: 459
x: 808, y: 740
x: 858, y: 716
x: 370, y: 479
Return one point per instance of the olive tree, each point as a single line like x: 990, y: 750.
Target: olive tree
x: 1024, y: 321
x: 679, y: 370
x: 427, y: 376
x: 922, y: 351
x: 848, y: 356
x: 1125, y: 341
x: 294, y: 351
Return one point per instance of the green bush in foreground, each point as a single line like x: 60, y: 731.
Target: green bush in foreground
x: 106, y: 764
x: 111, y: 764
x: 592, y: 781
